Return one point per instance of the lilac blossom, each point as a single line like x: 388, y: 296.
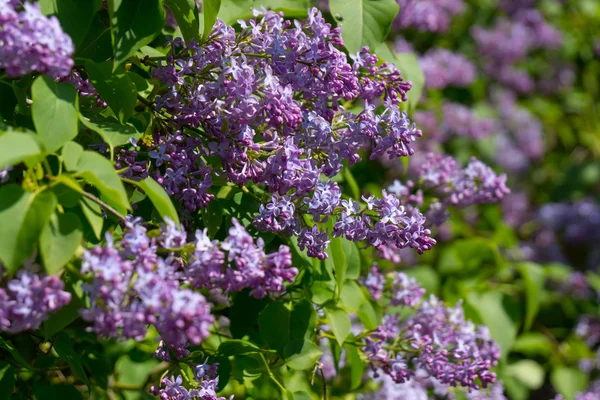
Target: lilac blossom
x: 29, y: 299
x: 374, y: 282
x: 462, y: 121
x: 85, y: 88
x: 405, y: 291
x: 446, y: 346
x: 444, y: 68
x: 204, y: 386
x: 291, y: 94
x: 133, y: 287
x: 477, y: 183
x: 30, y: 42
x: 278, y: 215
x: 238, y: 262
x: 428, y: 15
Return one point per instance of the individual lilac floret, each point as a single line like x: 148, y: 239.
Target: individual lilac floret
x: 326, y: 197
x: 374, y: 282
x: 314, y: 241
x: 477, y: 183
x: 204, y: 387
x: 278, y: 215
x: 238, y: 262
x: 30, y: 42
x: 85, y: 88
x: 443, y: 68
x: 28, y: 300
x: 427, y: 15
x: 462, y: 121
x: 405, y: 291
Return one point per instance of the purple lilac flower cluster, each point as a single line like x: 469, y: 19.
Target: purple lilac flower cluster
x: 520, y: 138
x: 460, y: 120
x: 176, y: 165
x: 403, y: 290
x: 238, y: 262
x: 28, y: 299
x: 133, y: 287
x: 30, y: 42
x: 575, y: 223
x: 443, y: 68
x: 477, y: 183
x: 84, y: 87
x: 509, y: 42
x: 287, y: 81
x: 444, y: 345
x: 421, y: 385
x: 204, y: 386
x: 381, y: 221
x: 427, y: 15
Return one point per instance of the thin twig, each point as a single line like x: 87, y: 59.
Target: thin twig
x: 103, y: 204
x: 324, y: 383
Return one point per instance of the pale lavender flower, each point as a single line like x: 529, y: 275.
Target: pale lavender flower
x: 28, y: 300
x: 30, y: 42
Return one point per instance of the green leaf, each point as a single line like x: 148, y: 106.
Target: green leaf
x: 97, y: 45
x: 186, y: 15
x: 70, y: 155
x: 339, y: 323
x: 337, y: 261
x: 113, y: 133
x: 23, y: 215
x: 132, y: 372
x: 274, y: 326
x: 357, y: 366
x: 93, y: 214
x: 98, y: 171
x: 322, y: 291
x: 534, y: 278
x: 134, y: 24
x: 210, y: 9
x: 528, y: 372
x: 303, y: 321
x: 75, y: 18
x: 232, y: 10
x: 55, y: 392
x: 568, y: 381
x: 69, y: 313
x: 7, y: 379
x: 59, y: 240
x: 408, y: 64
x: 212, y: 216
x: 116, y: 89
x: 352, y: 259
x: 14, y: 352
x: 533, y: 344
x: 301, y: 395
x: 64, y: 348
x: 54, y: 111
x: 493, y: 314
x: 364, y: 22
x: 15, y: 147
x: 301, y: 354
x: 160, y: 199
x: 237, y: 347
